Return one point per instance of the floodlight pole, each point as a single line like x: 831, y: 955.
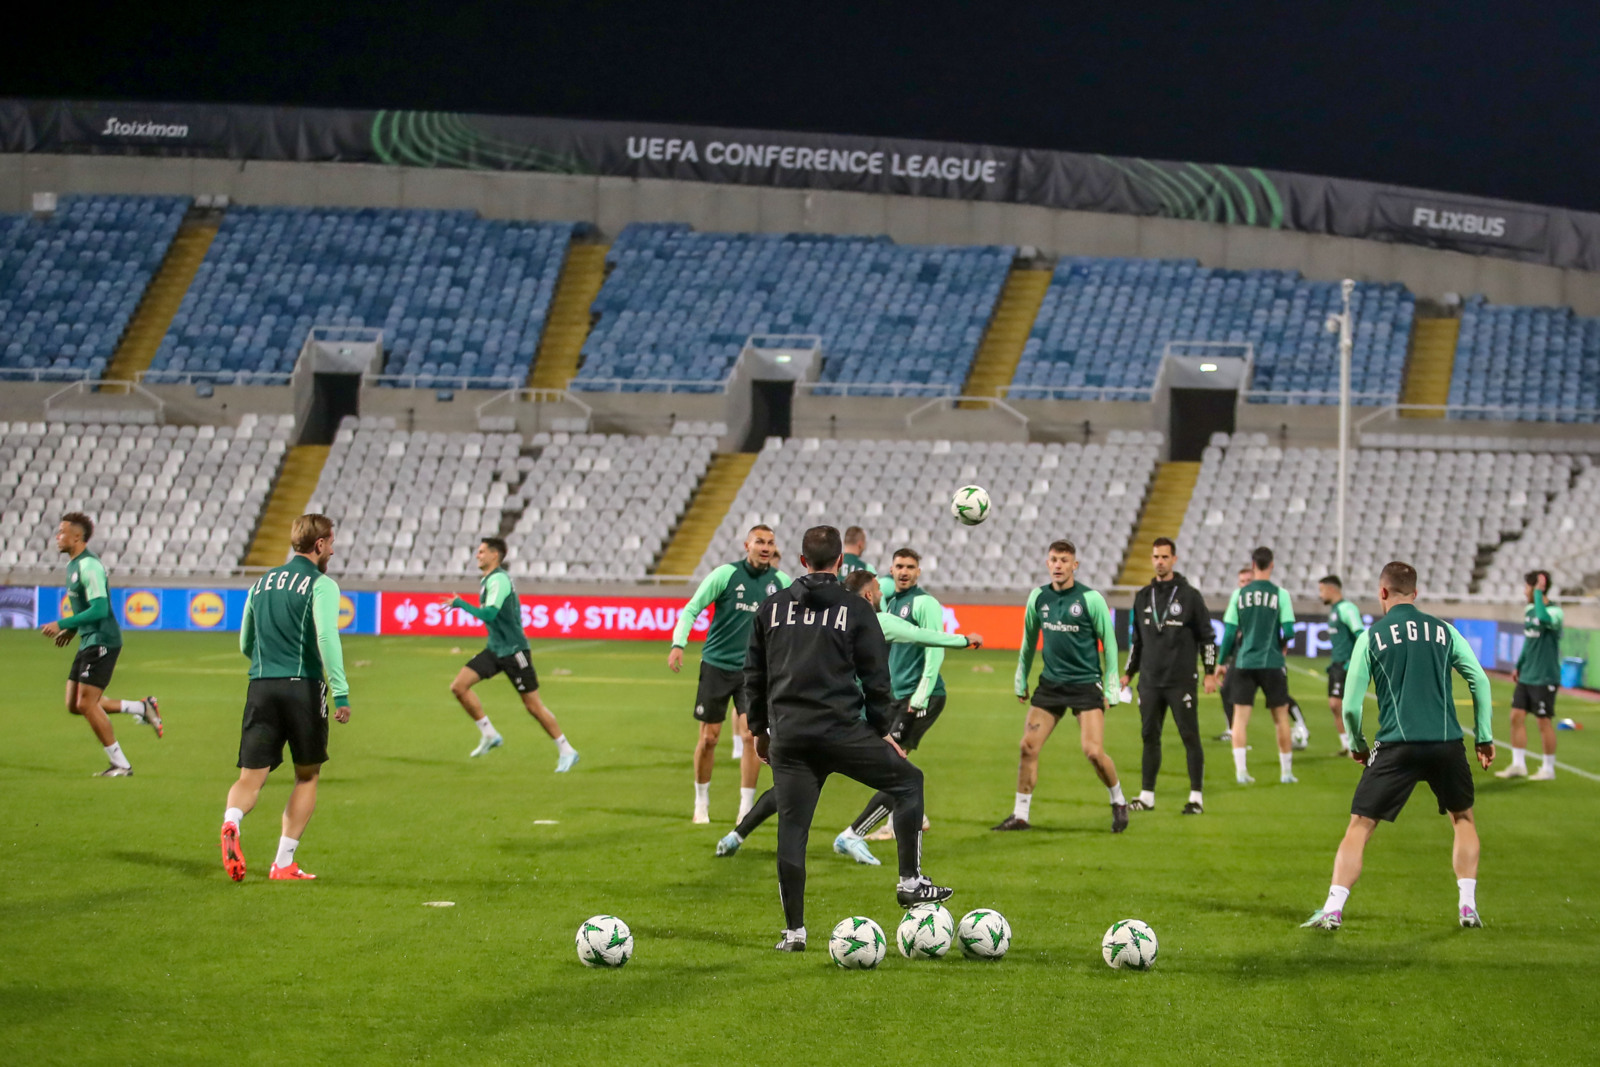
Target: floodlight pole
x: 1345, y: 323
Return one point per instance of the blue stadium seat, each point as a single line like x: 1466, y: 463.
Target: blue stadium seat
x: 1526, y: 363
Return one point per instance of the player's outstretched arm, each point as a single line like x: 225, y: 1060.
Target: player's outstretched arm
x: 929, y: 616
x: 870, y: 653
x: 325, y: 617
x: 710, y: 588
x: 898, y: 631
x: 1355, y: 697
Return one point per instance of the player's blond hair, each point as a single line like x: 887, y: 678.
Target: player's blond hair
x: 308, y: 530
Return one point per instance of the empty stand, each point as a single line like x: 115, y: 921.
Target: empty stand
x: 1560, y: 541
x: 461, y: 300
x: 165, y: 500
x: 1529, y: 363
x: 69, y: 283
x: 899, y: 491
x: 1105, y: 322
x: 678, y: 307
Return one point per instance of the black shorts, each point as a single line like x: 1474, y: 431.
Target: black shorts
x: 1337, y: 673
x: 1394, y: 768
x: 717, y: 687
x: 93, y: 665
x: 1272, y: 682
x: 279, y: 710
x: 1538, y: 700
x: 1060, y: 698
x: 518, y: 667
x: 907, y: 727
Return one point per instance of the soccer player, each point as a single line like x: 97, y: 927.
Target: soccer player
x: 918, y: 691
x: 507, y: 651
x: 817, y: 679
x: 1079, y: 675
x: 1419, y: 739
x: 1537, y: 677
x: 896, y: 631
x: 99, y: 645
x: 855, y: 546
x: 737, y: 590
x: 290, y: 632
x: 1224, y: 684
x: 1260, y: 619
x: 1344, y: 626
x: 1170, y: 625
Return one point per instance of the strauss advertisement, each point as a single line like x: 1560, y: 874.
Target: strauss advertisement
x: 631, y: 618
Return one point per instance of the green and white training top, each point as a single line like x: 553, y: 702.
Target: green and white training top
x: 1407, y: 656
x: 898, y: 631
x: 1079, y: 647
x: 914, y: 669
x: 291, y: 627
x: 89, y: 596
x: 737, y: 589
x: 1260, y: 617
x: 1540, y: 661
x: 1344, y: 626
x: 500, y: 610
x: 849, y: 564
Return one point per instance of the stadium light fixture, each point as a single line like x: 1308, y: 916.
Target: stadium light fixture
x: 1208, y: 368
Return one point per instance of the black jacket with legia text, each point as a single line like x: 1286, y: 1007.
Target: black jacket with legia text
x: 817, y: 662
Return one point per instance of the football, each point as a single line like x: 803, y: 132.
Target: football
x: 604, y: 941
x: 926, y: 932
x: 970, y: 505
x: 984, y: 934
x: 1129, y: 943
x: 857, y: 944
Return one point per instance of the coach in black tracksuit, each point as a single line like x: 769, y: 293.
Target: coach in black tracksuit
x: 818, y: 701
x: 1171, y: 625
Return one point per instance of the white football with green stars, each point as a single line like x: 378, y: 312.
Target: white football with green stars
x: 604, y: 941
x: 970, y: 505
x: 983, y: 934
x: 926, y: 932
x: 1129, y: 944
x: 857, y: 944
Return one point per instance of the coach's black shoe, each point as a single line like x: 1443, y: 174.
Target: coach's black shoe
x: 1119, y: 818
x: 1139, y: 805
x: 924, y: 892
x: 791, y: 942
x: 1011, y: 822
x: 1193, y: 808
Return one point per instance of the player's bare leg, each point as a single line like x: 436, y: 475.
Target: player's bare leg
x: 296, y: 815
x: 566, y: 755
x: 1285, y: 729
x: 85, y: 700
x: 705, y: 756
x: 749, y: 765
x: 489, y: 738
x: 1519, y: 746
x: 1547, y: 734
x: 1092, y: 735
x: 1036, y: 730
x: 1239, y: 730
x: 242, y: 797
x: 1346, y: 871
x: 1464, y: 860
x: 1336, y: 706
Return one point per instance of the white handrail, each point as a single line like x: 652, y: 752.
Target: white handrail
x: 994, y: 400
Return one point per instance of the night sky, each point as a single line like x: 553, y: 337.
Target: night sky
x: 1490, y: 98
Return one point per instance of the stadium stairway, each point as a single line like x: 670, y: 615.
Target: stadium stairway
x: 301, y: 469
x: 711, y: 501
x: 1429, y: 365
x: 567, y: 325
x: 1162, y: 517
x: 1008, y: 331
x: 153, y: 317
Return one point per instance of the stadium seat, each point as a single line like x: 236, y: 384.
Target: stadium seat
x: 1526, y: 363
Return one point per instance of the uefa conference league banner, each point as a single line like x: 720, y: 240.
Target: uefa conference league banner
x: 1236, y: 195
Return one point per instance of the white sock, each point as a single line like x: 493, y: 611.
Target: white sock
x: 738, y: 747
x: 909, y: 883
x: 233, y: 815
x: 1020, y: 808
x: 1147, y: 797
x: 1519, y: 758
x: 485, y: 727
x: 1549, y: 759
x: 114, y: 754
x: 1337, y: 895
x: 1194, y: 797
x: 133, y: 707
x: 564, y: 747
x: 702, y: 794
x: 1238, y: 762
x: 1344, y: 741
x: 286, y: 847
x: 1286, y: 763
x: 1469, y: 892
x: 849, y: 832
x: 795, y: 935
x: 747, y: 799
x: 1116, y: 794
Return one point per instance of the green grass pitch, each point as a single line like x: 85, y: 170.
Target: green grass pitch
x: 124, y: 942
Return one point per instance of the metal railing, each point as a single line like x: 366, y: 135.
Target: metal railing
x: 45, y: 374
x: 648, y: 385
x: 1136, y: 393
x: 158, y: 376
x: 440, y: 381
x: 1509, y: 412
x: 881, y: 389
x: 911, y: 416
x: 108, y: 386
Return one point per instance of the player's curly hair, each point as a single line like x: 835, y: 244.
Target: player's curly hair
x: 81, y: 521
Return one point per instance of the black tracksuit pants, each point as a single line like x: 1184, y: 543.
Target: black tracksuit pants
x: 1153, y: 706
x: 801, y: 765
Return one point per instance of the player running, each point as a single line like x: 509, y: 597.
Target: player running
x: 508, y: 651
x: 896, y: 631
x: 1079, y: 675
x: 1537, y: 678
x: 99, y: 645
x: 918, y: 691
x: 290, y: 632
x: 1260, y: 618
x: 1411, y: 656
x: 1344, y: 626
x: 855, y: 546
x: 736, y: 590
x: 1170, y: 625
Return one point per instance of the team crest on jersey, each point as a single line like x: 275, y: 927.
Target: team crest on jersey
x: 905, y: 612
x: 1176, y: 609
x: 1076, y: 609
x: 772, y: 587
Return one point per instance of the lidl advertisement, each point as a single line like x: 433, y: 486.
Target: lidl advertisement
x: 193, y: 609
